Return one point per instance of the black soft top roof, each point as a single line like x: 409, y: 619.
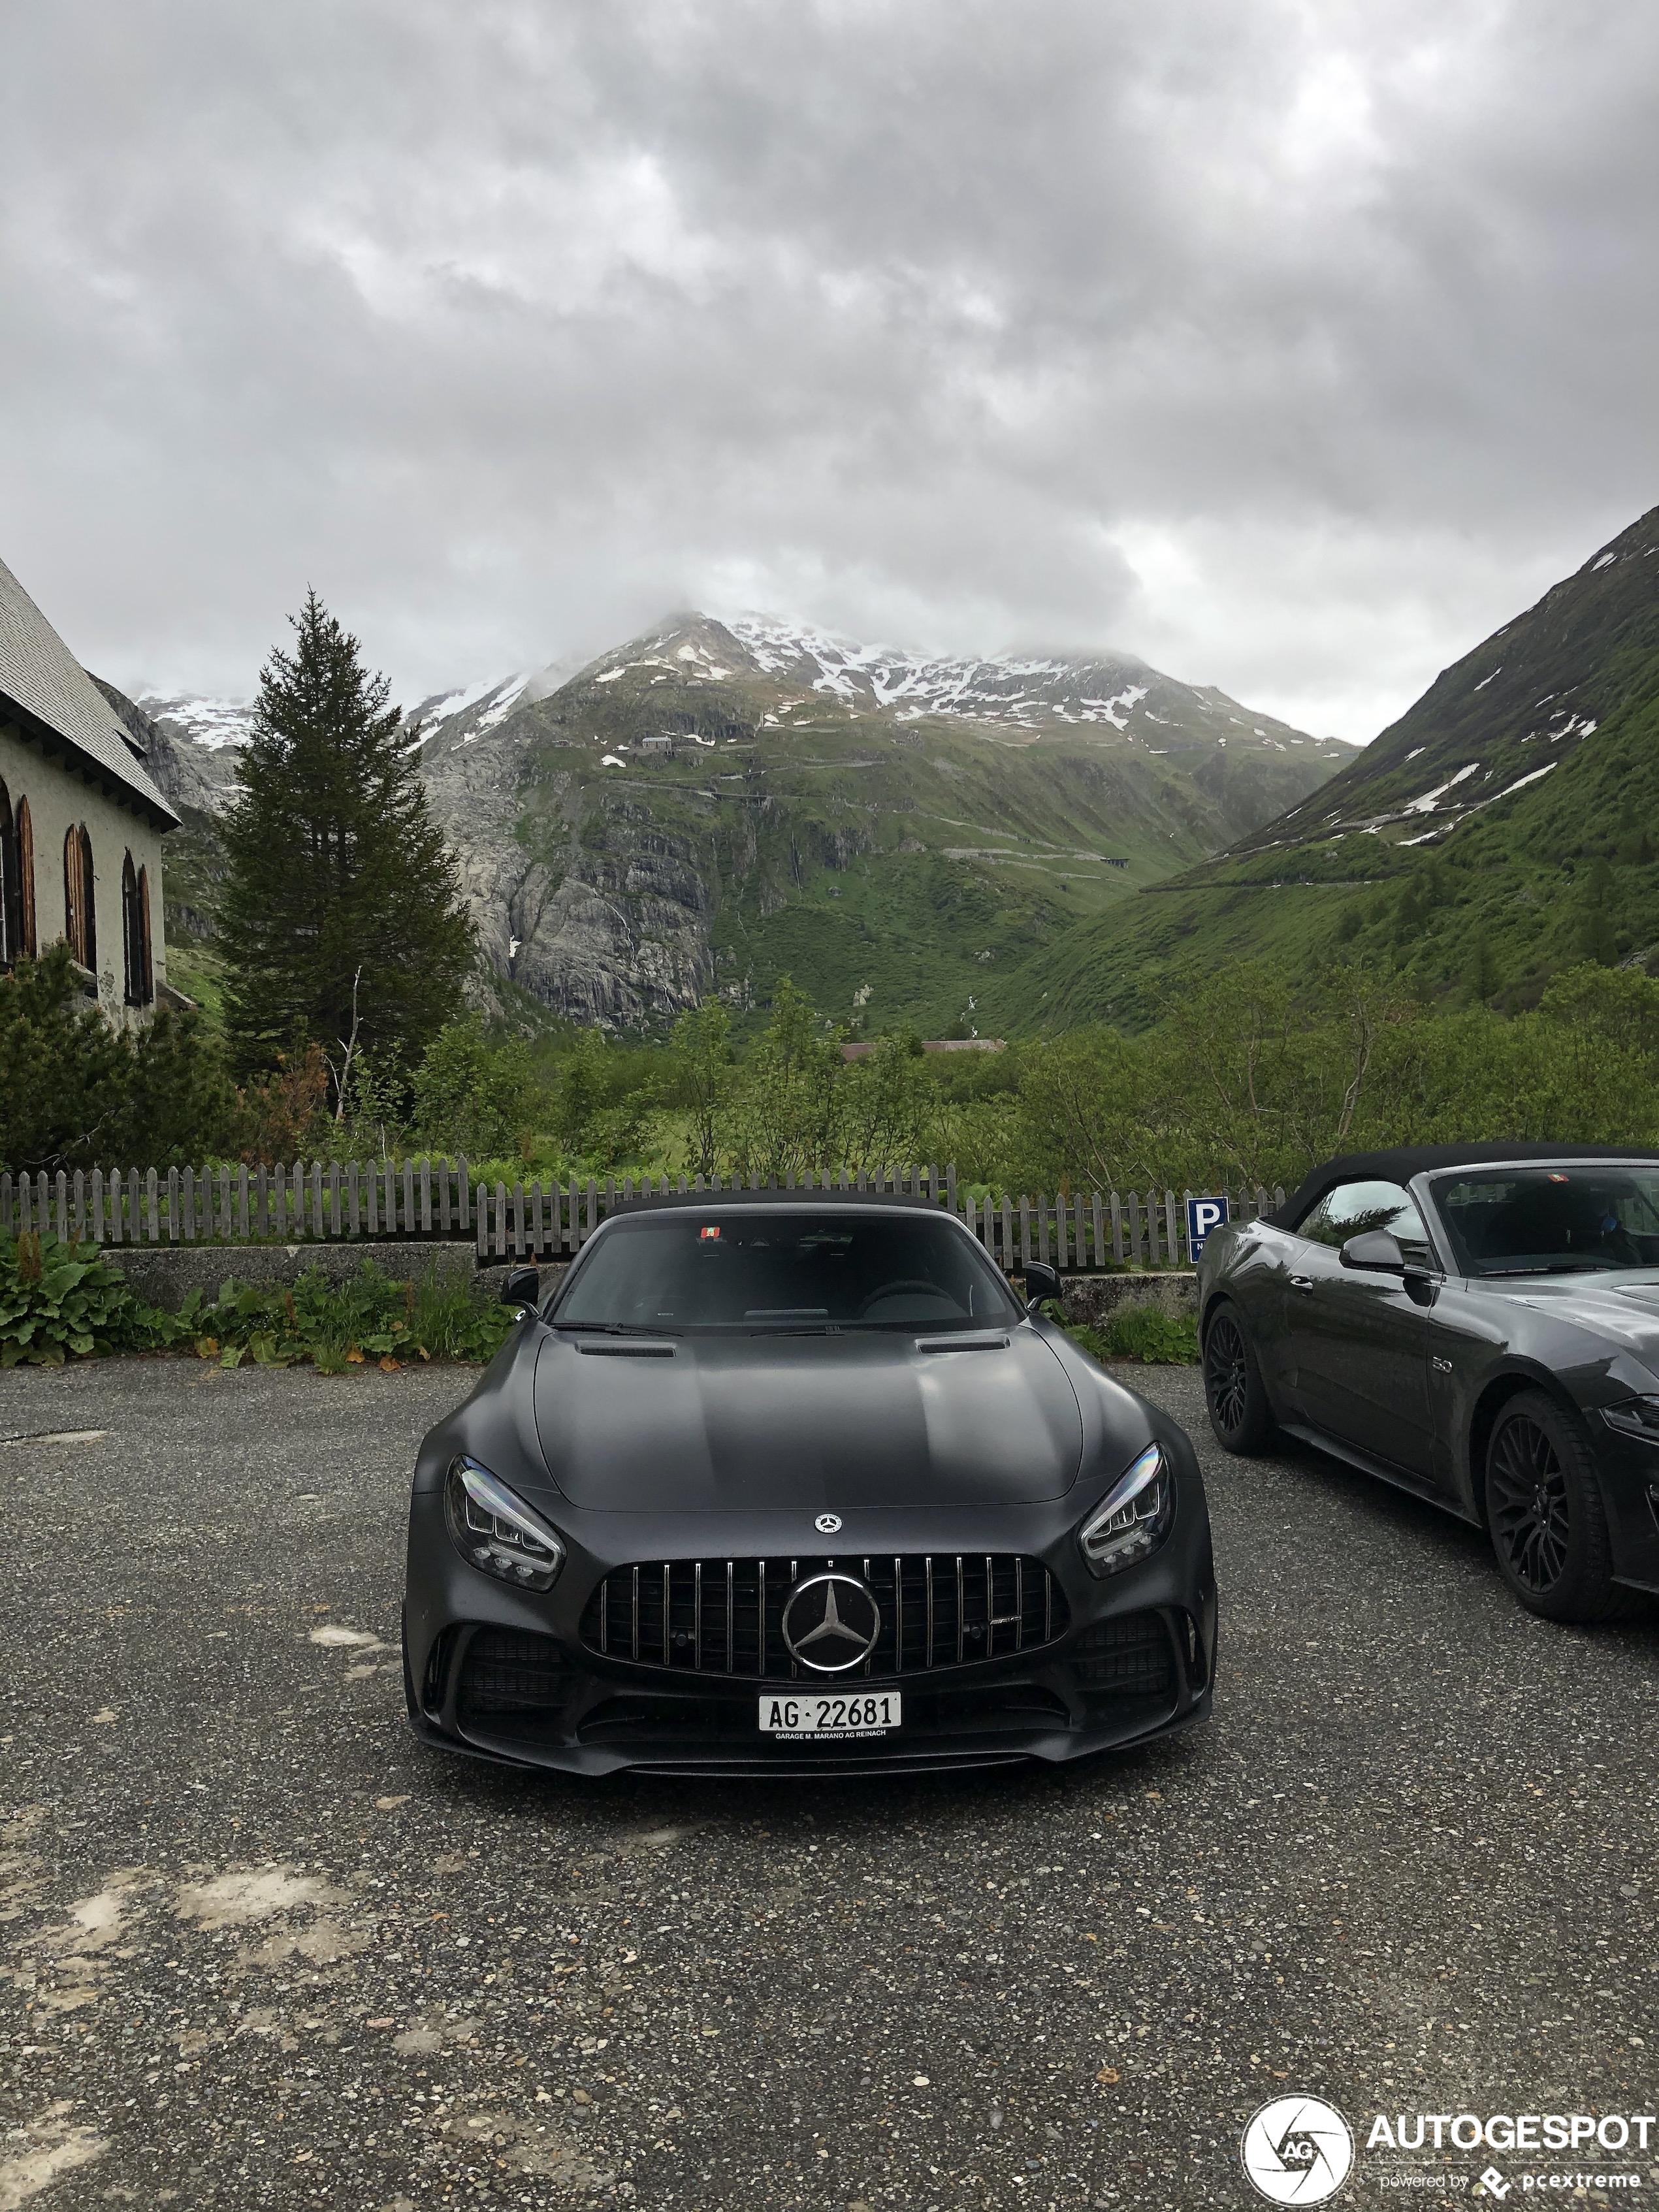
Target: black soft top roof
x: 1408, y: 1160
x: 710, y: 1201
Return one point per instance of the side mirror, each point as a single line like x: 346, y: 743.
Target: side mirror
x: 523, y: 1287
x: 1374, y: 1253
x: 1041, y: 1284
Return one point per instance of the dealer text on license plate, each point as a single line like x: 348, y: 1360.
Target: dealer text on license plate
x: 831, y: 1713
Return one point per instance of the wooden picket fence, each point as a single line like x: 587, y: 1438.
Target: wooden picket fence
x: 382, y: 1202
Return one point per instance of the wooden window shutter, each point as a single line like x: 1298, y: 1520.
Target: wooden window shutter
x: 26, y: 874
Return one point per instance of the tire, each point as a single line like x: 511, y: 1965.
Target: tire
x: 1235, y: 1394
x: 1545, y: 1515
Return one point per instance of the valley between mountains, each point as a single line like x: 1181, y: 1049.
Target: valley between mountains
x: 715, y: 805
x: 1005, y: 846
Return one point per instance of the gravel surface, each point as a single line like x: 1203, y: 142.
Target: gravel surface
x: 258, y: 1949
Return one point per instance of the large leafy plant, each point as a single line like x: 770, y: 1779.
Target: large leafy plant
x: 371, y: 1317
x: 57, y: 1302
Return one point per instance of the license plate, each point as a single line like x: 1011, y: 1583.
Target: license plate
x: 827, y: 1713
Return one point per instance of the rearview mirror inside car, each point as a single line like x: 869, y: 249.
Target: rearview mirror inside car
x: 523, y: 1287
x: 1041, y: 1284
x: 1375, y: 1252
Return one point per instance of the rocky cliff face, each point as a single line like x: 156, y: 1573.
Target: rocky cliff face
x: 194, y: 777
x: 712, y: 803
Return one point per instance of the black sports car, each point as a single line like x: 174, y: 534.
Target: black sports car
x: 772, y: 1484
x: 1476, y: 1323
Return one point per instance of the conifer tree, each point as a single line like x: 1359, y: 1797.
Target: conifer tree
x: 343, y: 919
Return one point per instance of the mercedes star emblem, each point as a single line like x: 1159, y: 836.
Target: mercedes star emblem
x: 828, y: 1524
x: 831, y: 1623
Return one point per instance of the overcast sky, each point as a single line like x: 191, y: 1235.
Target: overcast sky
x: 1293, y: 347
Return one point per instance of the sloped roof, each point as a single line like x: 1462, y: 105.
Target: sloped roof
x: 39, y: 674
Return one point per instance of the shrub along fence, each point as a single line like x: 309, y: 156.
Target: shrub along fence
x: 333, y: 1201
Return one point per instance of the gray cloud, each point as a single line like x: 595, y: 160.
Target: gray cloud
x: 1292, y: 345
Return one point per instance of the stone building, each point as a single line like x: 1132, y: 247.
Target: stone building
x: 80, y: 821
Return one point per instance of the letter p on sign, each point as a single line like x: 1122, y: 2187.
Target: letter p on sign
x: 1203, y: 1215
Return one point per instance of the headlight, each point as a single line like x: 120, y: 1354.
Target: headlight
x: 1136, y: 1517
x: 1637, y: 1417
x: 497, y: 1532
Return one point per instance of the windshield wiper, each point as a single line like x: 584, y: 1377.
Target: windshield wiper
x: 616, y: 1327
x: 1556, y: 1267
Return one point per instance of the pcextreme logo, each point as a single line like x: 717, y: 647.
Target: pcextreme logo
x: 1297, y: 2150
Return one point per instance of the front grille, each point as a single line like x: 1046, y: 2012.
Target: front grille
x: 1131, y: 1657
x: 506, y: 1673
x: 725, y: 1616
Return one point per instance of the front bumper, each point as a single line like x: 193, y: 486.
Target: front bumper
x: 504, y: 1676
x: 1629, y: 1467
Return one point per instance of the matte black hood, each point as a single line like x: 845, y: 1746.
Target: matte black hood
x: 859, y: 1421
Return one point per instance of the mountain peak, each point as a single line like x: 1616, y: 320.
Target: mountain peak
x: 779, y: 673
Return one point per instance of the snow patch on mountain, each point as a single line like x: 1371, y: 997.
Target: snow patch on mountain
x: 210, y: 722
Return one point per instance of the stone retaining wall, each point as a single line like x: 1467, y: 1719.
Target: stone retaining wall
x: 164, y: 1275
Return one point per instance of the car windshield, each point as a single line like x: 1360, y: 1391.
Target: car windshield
x: 1546, y: 1221
x: 753, y: 1268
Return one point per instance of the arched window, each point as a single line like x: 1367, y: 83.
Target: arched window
x: 143, y: 934
x: 80, y: 918
x: 11, y: 884
x: 135, y: 932
x: 25, y: 832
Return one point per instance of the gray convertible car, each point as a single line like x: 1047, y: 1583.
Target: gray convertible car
x: 1479, y: 1324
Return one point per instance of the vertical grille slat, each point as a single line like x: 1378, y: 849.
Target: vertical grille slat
x: 988, y: 1606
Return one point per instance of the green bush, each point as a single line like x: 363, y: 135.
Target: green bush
x: 74, y: 1093
x: 57, y: 1303
x: 372, y: 1317
x: 1145, y: 1334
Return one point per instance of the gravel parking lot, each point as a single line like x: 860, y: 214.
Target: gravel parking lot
x: 257, y: 1948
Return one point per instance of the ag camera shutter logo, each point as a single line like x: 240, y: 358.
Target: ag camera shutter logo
x: 1298, y: 2150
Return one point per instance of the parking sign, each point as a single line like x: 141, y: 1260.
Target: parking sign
x: 1203, y: 1215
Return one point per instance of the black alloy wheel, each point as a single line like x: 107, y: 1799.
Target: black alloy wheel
x: 1234, y: 1393
x: 1544, y: 1509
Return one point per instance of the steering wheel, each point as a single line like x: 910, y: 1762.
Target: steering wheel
x: 905, y: 1287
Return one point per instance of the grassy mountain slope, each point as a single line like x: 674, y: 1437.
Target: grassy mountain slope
x: 705, y: 809
x: 1506, y: 826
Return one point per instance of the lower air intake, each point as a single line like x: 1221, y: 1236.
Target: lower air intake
x: 1128, y: 1658
x: 507, y: 1674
